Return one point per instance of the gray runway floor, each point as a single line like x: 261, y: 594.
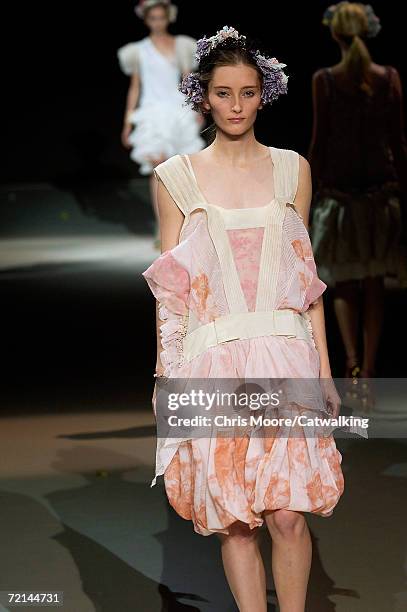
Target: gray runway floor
x: 77, y: 442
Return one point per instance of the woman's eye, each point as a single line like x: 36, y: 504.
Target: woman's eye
x: 250, y: 94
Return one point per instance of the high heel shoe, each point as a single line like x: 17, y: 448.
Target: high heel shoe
x: 352, y: 367
x: 352, y: 373
x: 367, y: 396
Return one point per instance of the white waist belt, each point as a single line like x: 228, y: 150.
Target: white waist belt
x: 285, y: 322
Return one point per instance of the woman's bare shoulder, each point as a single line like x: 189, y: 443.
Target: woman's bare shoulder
x: 320, y: 72
x: 202, y: 154
x: 380, y: 70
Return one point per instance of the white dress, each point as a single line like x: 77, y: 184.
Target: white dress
x: 164, y: 125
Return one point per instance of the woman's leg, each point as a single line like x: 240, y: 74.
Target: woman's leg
x: 244, y: 568
x: 346, y: 306
x: 291, y: 557
x: 373, y: 310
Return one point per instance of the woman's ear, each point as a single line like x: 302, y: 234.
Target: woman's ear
x: 205, y: 106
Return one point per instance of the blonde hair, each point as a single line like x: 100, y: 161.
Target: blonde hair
x: 349, y: 24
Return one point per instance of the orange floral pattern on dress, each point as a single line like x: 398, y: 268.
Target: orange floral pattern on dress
x: 304, y: 281
x: 298, y: 451
x: 314, y: 490
x: 202, y: 298
x: 278, y: 491
x: 310, y: 286
x: 241, y: 479
x: 200, y: 284
x: 215, y: 482
x: 302, y: 248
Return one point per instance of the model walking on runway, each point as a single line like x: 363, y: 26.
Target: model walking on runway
x: 156, y: 124
x: 238, y: 297
x: 358, y: 157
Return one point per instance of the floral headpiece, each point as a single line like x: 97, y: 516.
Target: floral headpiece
x: 274, y: 79
x: 373, y: 27
x: 143, y: 5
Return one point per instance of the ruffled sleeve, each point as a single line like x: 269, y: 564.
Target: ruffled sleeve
x: 187, y: 50
x: 128, y: 58
x: 169, y: 282
x: 312, y: 286
x: 316, y: 287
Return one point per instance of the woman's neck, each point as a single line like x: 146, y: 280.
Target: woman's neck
x: 236, y: 151
x: 344, y: 54
x: 160, y: 35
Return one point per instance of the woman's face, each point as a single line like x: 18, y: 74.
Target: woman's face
x: 234, y: 92
x: 157, y: 19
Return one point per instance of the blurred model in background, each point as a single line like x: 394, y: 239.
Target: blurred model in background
x: 157, y: 124
x: 359, y: 166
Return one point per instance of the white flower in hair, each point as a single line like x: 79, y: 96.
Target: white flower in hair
x: 205, y: 45
x: 143, y: 5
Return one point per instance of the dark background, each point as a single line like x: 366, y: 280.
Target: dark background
x: 77, y: 336
x: 66, y: 93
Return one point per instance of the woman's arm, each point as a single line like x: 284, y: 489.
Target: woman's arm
x: 316, y: 310
x: 317, y: 148
x: 397, y: 137
x: 131, y: 103
x: 170, y: 221
x: 317, y: 315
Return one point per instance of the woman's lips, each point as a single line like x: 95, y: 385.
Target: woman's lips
x: 236, y: 120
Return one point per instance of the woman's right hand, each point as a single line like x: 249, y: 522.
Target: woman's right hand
x: 127, y: 128
x: 331, y: 396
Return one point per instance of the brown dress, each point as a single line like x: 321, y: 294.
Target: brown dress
x: 358, y: 158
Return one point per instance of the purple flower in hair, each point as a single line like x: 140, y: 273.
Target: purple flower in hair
x: 373, y: 22
x: 192, y: 89
x: 329, y: 13
x: 374, y: 25
x: 203, y: 47
x: 274, y: 79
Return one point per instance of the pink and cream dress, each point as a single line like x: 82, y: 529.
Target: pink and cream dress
x: 234, y: 296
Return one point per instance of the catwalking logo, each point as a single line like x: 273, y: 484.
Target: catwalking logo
x: 260, y: 420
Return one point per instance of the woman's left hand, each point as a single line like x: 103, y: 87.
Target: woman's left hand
x: 331, y: 396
